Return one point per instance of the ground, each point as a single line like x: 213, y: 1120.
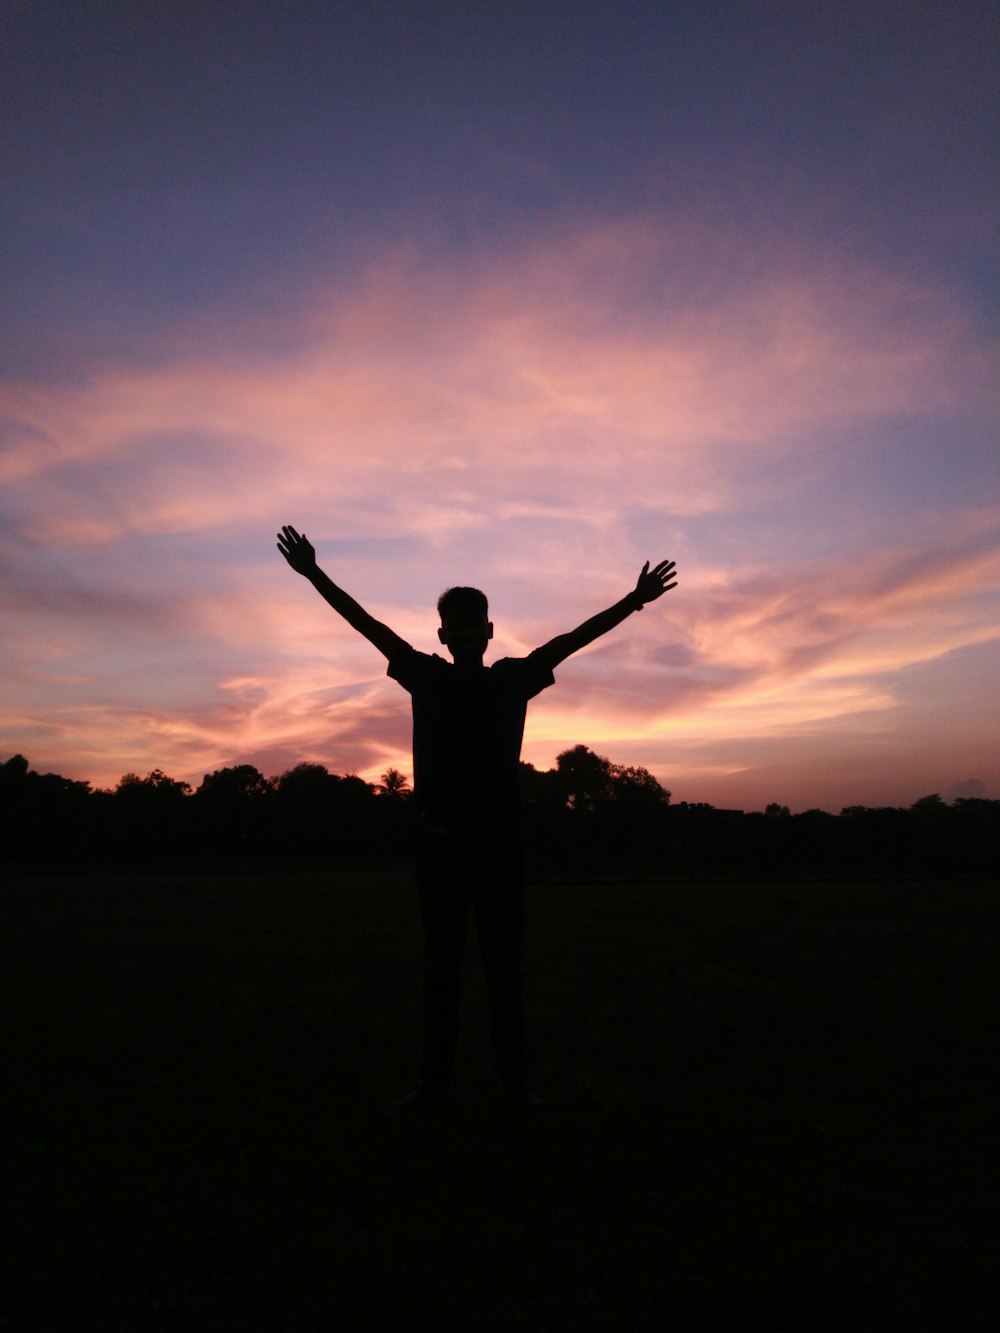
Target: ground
x: 769, y: 1106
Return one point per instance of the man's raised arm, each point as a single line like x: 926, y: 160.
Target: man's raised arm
x: 652, y: 583
x: 300, y: 555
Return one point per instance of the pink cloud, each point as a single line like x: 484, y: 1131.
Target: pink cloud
x: 505, y: 372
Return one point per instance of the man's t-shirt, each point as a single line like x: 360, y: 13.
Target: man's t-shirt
x: 468, y: 725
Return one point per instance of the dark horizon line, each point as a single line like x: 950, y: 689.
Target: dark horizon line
x: 186, y: 789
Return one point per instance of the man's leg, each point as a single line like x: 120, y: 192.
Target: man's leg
x: 443, y: 913
x: 498, y: 900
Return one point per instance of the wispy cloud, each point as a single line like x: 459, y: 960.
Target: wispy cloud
x: 545, y: 365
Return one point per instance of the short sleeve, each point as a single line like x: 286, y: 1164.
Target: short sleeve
x: 539, y: 674
x: 532, y: 674
x: 404, y: 666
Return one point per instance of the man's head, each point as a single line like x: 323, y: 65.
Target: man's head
x: 465, y: 625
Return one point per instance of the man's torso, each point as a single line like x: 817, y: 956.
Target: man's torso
x: 468, y: 724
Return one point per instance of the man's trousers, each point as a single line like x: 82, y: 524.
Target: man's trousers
x: 471, y: 860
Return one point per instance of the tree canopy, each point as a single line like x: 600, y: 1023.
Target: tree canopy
x: 585, y: 813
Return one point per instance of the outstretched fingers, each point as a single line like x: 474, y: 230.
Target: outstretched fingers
x: 295, y: 548
x: 661, y: 576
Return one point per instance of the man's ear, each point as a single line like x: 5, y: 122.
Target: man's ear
x: 489, y: 629
x: 441, y: 638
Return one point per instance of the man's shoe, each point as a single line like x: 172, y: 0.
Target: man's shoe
x: 425, y: 1099
x: 523, y: 1099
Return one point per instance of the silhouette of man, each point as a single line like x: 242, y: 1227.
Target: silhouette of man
x: 468, y: 723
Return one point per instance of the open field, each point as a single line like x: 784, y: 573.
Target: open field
x: 770, y: 1105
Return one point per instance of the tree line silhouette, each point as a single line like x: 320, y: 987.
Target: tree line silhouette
x: 585, y: 815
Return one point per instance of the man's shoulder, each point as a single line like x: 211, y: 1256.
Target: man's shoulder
x: 533, y: 661
x: 411, y: 654
x: 533, y: 670
x: 407, y: 663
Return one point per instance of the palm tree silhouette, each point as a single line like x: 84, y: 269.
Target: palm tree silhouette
x: 392, y: 783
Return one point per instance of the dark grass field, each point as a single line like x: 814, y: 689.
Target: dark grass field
x: 771, y: 1106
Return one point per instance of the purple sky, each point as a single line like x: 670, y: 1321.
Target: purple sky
x: 517, y: 295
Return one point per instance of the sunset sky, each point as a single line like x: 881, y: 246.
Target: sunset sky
x: 517, y: 295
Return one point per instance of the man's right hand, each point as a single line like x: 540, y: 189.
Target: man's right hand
x: 297, y: 551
